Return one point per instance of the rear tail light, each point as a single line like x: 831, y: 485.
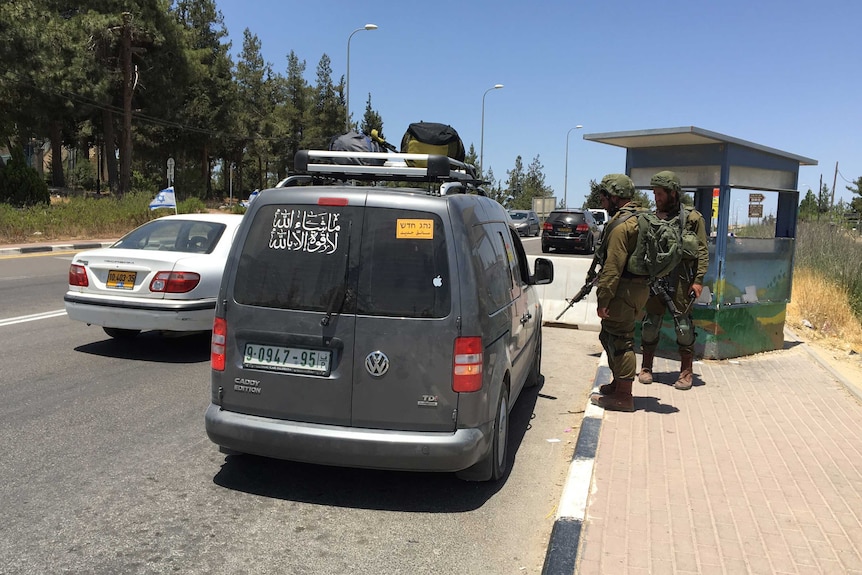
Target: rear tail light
x: 78, y: 276
x: 548, y: 227
x: 467, y: 367
x: 583, y: 228
x: 217, y: 344
x: 175, y: 282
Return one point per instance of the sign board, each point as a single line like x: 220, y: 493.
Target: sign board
x: 755, y: 210
x: 755, y: 198
x: 544, y: 206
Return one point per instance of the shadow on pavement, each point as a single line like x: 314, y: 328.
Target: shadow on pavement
x: 155, y: 347
x: 369, y: 488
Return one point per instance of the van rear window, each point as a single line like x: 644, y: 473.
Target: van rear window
x: 374, y: 261
x: 296, y: 257
x: 404, y: 267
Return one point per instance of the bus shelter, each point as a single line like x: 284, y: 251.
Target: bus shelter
x: 746, y: 290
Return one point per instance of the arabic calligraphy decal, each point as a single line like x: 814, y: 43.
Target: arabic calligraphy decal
x: 304, y: 230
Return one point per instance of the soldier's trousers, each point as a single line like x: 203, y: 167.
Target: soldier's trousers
x: 651, y: 326
x: 618, y: 331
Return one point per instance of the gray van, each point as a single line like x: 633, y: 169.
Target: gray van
x: 373, y: 326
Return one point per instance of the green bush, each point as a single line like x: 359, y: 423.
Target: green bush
x: 191, y: 206
x: 21, y: 185
x: 82, y: 176
x: 76, y: 217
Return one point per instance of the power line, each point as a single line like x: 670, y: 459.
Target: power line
x: 845, y: 179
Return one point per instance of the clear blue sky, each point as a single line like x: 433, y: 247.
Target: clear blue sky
x: 780, y: 73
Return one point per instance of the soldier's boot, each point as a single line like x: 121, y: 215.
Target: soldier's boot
x: 645, y: 375
x: 685, y: 371
x: 621, y: 400
x: 608, y: 388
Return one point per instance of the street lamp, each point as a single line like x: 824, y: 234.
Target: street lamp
x: 566, y: 177
x: 347, y: 83
x: 482, y: 139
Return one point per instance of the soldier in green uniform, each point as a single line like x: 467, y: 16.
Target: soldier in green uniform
x: 621, y: 295
x: 684, y: 284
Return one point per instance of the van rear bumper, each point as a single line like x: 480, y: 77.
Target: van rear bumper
x: 347, y: 446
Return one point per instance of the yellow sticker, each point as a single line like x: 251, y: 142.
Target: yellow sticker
x: 414, y: 229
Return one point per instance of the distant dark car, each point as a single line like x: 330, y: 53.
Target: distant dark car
x: 526, y: 222
x: 570, y: 230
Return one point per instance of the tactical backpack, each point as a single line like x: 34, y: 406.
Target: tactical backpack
x: 355, y: 142
x: 432, y: 138
x: 661, y: 245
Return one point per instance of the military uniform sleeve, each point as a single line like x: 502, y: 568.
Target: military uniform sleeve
x: 702, y: 248
x: 615, y: 262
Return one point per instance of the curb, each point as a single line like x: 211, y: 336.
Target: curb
x: 562, y: 553
x: 853, y: 389
x: 33, y: 249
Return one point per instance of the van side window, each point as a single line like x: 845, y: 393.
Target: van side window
x: 511, y: 261
x: 494, y: 274
x: 522, y: 270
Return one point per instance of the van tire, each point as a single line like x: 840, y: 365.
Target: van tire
x: 534, y: 376
x: 499, y: 446
x: 493, y: 465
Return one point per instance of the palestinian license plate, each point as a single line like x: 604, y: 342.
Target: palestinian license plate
x: 121, y: 280
x: 287, y: 359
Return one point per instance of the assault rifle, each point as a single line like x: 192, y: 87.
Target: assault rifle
x: 584, y: 292
x: 592, y: 278
x: 659, y: 287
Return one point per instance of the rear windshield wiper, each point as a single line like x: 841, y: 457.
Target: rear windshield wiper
x: 340, y: 295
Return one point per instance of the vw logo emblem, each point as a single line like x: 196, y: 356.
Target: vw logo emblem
x: 376, y: 363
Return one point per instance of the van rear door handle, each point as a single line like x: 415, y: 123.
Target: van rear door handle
x: 526, y: 317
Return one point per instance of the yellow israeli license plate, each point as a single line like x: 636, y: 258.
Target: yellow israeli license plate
x: 121, y: 280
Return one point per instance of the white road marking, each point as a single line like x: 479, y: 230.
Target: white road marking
x: 33, y: 317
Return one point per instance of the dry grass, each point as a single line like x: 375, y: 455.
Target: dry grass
x: 825, y: 307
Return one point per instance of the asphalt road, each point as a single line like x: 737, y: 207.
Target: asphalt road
x: 106, y: 467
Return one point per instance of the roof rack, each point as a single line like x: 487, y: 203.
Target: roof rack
x: 381, y: 166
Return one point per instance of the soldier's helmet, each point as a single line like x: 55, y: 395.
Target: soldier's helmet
x: 667, y: 180
x: 618, y: 185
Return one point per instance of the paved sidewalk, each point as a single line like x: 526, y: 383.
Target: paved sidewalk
x: 756, y: 469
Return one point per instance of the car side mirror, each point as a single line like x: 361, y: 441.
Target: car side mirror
x: 543, y: 271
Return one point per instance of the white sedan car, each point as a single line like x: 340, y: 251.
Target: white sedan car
x: 163, y: 276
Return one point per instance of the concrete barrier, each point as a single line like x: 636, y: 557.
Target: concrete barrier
x: 569, y: 277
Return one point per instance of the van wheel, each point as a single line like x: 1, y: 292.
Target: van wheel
x: 492, y: 467
x: 535, y: 374
x: 499, y: 449
x: 118, y: 333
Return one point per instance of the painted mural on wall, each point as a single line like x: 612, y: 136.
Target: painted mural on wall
x: 744, y: 313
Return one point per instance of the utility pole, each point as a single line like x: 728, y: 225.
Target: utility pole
x: 834, y: 181
x: 126, y: 146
